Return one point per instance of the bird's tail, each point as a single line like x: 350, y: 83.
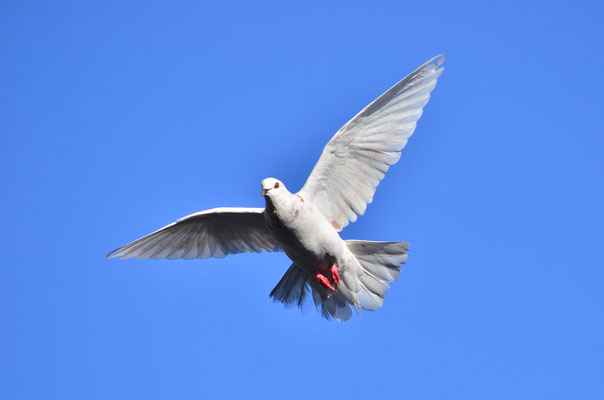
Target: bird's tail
x: 293, y: 288
x: 297, y: 285
x: 380, y: 263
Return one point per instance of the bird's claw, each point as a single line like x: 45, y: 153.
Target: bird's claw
x: 323, y: 281
x: 335, y: 278
x: 335, y: 275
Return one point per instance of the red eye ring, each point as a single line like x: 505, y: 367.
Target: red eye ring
x: 276, y: 185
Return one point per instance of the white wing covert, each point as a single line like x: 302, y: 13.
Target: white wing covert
x: 211, y: 233
x: 357, y: 157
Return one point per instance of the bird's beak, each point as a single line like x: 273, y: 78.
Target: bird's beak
x: 265, y: 191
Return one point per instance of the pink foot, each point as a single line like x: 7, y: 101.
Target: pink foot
x: 323, y: 281
x: 335, y: 274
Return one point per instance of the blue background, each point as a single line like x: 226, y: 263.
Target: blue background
x: 117, y: 118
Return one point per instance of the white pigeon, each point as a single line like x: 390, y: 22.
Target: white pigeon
x: 341, y: 274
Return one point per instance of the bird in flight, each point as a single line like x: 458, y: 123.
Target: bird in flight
x: 340, y: 275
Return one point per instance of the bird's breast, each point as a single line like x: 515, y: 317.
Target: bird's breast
x: 304, y: 234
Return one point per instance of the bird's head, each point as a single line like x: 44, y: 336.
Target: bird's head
x: 272, y: 187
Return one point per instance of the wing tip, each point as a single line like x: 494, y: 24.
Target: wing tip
x: 112, y: 254
x: 434, y: 64
x: 117, y: 253
x: 438, y: 60
x: 120, y: 256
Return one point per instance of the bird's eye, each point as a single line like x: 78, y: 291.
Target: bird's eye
x: 276, y: 185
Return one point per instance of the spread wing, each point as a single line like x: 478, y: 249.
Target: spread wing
x: 210, y: 233
x: 356, y: 158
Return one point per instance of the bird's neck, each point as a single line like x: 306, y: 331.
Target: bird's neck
x: 279, y: 207
x: 270, y: 207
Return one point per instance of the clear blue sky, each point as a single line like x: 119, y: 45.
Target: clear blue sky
x: 117, y: 118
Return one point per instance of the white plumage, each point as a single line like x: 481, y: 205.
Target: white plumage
x: 342, y: 275
x: 356, y: 158
x: 211, y: 233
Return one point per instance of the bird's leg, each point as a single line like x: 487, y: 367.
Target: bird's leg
x: 323, y: 281
x: 335, y: 274
x: 335, y: 278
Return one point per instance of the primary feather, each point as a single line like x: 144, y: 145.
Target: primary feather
x: 211, y: 233
x: 356, y: 158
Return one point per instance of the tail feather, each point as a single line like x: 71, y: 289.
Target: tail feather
x: 369, y: 300
x: 334, y: 305
x: 380, y: 263
x: 293, y: 288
